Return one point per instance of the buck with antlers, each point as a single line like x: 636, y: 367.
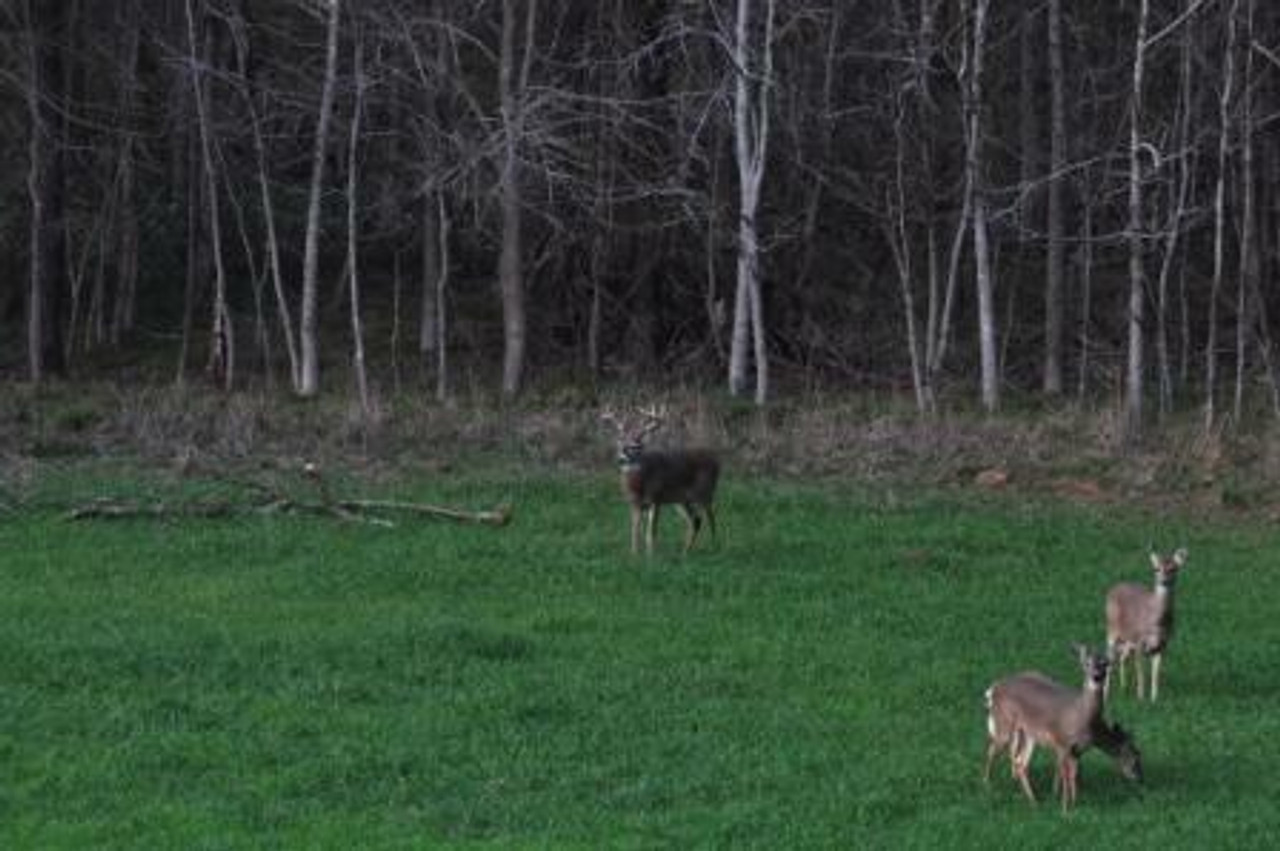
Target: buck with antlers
x: 1031, y: 709
x: 1140, y: 620
x: 651, y: 478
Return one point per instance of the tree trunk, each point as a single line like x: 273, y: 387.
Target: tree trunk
x: 751, y: 136
x: 1137, y: 274
x: 47, y: 28
x: 1055, y: 270
x: 900, y: 241
x: 222, y: 342
x: 510, y: 272
x: 1220, y: 217
x: 1248, y: 270
x: 981, y: 250
x: 1173, y: 232
x: 195, y: 253
x: 441, y: 296
x: 353, y: 231
x: 1086, y: 294
x: 310, y: 368
x: 428, y: 321
x: 241, y: 36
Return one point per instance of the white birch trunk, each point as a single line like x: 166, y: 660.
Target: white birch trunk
x: 981, y: 250
x: 310, y: 369
x: 751, y: 135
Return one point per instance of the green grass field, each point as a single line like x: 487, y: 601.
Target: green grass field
x: 815, y: 681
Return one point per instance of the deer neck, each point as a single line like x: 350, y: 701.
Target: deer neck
x: 1163, y: 602
x: 630, y: 460
x: 1089, y: 711
x: 1108, y: 740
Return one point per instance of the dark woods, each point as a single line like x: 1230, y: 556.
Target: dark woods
x: 955, y: 199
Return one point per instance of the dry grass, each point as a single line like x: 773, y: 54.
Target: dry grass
x: 1065, y: 453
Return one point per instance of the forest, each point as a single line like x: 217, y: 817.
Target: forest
x: 960, y: 202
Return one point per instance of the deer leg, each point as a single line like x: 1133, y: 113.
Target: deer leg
x: 997, y: 741
x: 1068, y: 768
x: 1026, y: 783
x: 693, y: 523
x: 1113, y: 658
x: 710, y: 511
x: 1138, y: 674
x: 1021, y: 765
x: 1155, y: 675
x: 637, y: 520
x: 653, y: 527
x: 993, y: 751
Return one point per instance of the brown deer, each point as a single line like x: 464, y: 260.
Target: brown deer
x: 651, y: 478
x: 1031, y: 709
x: 1140, y: 620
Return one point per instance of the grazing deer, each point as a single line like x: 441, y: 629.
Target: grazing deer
x: 1031, y: 709
x: 1140, y: 621
x: 685, y: 478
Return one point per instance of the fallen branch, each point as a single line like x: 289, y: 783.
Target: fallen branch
x: 113, y: 509
x: 498, y: 516
x: 272, y: 501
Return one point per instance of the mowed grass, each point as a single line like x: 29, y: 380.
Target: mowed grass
x: 815, y: 681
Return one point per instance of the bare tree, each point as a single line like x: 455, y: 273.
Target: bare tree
x: 47, y: 21
x: 1055, y: 270
x: 974, y: 165
x: 1137, y: 274
x: 353, y: 228
x: 1173, y: 232
x: 1225, y: 101
x: 310, y: 371
x: 753, y: 69
x: 124, y: 314
x: 512, y: 86
x: 240, y: 30
x: 222, y: 341
x: 1248, y: 269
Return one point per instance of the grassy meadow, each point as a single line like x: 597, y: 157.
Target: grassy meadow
x: 814, y: 681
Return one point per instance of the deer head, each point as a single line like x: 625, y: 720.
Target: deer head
x: 1093, y: 664
x: 632, y: 430
x: 1166, y: 568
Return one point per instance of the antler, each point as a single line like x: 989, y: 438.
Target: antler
x: 655, y: 416
x: 608, y: 416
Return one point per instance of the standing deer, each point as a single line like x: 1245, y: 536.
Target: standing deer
x: 685, y: 478
x: 1031, y: 709
x: 1140, y: 620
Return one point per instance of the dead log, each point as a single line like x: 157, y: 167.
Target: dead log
x: 497, y: 516
x: 272, y: 501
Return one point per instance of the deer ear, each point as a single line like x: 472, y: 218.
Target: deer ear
x: 1081, y: 652
x: 1155, y: 560
x: 1180, y: 557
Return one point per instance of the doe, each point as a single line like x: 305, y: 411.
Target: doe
x: 1030, y: 709
x: 1140, y: 620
